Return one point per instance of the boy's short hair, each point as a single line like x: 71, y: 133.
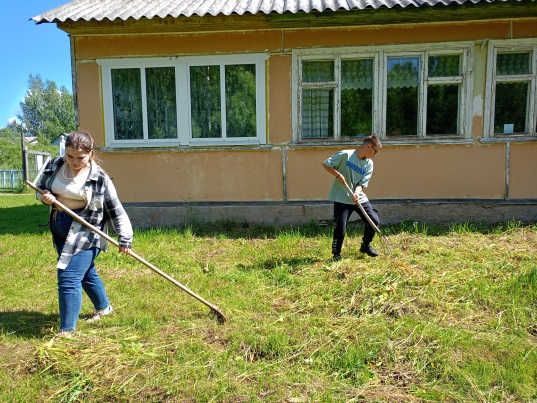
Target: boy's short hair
x: 374, y: 141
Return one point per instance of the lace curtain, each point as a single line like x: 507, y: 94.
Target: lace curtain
x: 357, y: 74
x: 317, y: 113
x: 127, y: 104
x: 403, y: 72
x: 317, y: 71
x: 161, y: 103
x: 513, y: 63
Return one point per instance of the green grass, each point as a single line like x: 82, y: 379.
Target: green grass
x: 451, y: 316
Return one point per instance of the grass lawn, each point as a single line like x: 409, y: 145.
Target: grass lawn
x: 451, y: 316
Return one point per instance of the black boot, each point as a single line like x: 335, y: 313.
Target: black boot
x: 369, y: 250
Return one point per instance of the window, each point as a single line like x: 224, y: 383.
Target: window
x: 392, y: 93
x: 510, y: 103
x: 184, y: 101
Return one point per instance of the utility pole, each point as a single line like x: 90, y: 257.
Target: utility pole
x: 24, y: 157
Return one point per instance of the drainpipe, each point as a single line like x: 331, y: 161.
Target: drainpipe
x: 507, y: 164
x: 284, y: 169
x: 73, y: 79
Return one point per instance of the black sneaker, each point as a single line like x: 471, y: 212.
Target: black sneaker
x: 369, y: 250
x: 336, y: 258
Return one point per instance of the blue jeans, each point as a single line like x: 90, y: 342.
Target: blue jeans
x: 80, y: 274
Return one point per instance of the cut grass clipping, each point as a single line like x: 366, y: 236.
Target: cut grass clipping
x: 451, y: 316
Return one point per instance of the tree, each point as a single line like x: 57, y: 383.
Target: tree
x: 10, y: 147
x: 47, y: 111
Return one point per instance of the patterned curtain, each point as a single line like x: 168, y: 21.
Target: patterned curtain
x: 513, y: 63
x: 317, y: 71
x: 357, y: 74
x: 127, y: 104
x: 161, y: 104
x: 403, y: 72
x: 317, y: 113
x: 317, y: 104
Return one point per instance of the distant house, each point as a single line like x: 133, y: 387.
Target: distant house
x: 30, y: 140
x: 59, y: 141
x: 226, y: 109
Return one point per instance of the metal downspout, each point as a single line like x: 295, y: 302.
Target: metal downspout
x: 507, y: 164
x: 73, y: 79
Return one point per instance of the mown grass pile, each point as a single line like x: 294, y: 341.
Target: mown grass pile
x: 450, y: 316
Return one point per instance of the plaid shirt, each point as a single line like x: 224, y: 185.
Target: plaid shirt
x: 103, y: 208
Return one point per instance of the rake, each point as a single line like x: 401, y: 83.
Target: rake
x: 383, y: 238
x: 220, y: 316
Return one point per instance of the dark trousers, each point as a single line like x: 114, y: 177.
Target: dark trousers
x: 342, y: 213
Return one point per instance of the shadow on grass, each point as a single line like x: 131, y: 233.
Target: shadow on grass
x: 229, y: 229
x: 242, y: 229
x: 291, y: 264
x: 27, y: 324
x: 24, y: 220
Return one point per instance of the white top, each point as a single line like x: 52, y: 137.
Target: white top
x: 71, y: 188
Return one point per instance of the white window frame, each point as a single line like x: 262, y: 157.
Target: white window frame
x: 182, y: 91
x: 380, y: 57
x: 510, y: 46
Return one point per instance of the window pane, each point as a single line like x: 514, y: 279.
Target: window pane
x: 240, y: 101
x: 314, y: 72
x: 444, y: 66
x: 127, y: 104
x: 317, y: 113
x: 513, y: 63
x: 511, y: 107
x: 205, y: 102
x: 356, y: 97
x: 161, y: 106
x: 402, y: 96
x: 442, y: 109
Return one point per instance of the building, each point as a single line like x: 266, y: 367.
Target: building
x: 226, y: 109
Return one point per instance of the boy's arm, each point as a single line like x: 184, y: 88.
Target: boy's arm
x: 331, y: 170
x: 337, y: 175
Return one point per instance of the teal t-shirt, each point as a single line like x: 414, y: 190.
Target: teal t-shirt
x: 355, y: 171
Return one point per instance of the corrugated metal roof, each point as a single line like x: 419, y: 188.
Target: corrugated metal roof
x: 124, y: 9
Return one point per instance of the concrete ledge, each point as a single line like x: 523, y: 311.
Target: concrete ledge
x: 165, y: 215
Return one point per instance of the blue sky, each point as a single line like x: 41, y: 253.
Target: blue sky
x: 27, y: 48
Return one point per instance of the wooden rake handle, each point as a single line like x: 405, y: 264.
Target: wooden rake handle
x: 221, y: 317
x: 369, y: 220
x: 383, y: 238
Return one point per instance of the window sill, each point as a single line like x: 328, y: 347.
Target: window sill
x: 391, y: 142
x: 166, y: 149
x: 508, y: 139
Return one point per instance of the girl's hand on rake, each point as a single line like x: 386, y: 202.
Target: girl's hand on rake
x: 125, y: 250
x: 48, y: 198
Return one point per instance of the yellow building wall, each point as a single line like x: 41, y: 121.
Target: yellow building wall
x: 200, y: 176
x: 523, y: 171
x: 155, y: 45
x: 292, y: 172
x: 279, y: 99
x: 89, y: 99
x: 382, y: 35
x: 413, y: 172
